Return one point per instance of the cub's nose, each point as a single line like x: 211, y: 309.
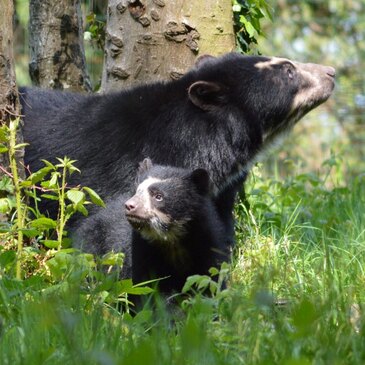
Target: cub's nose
x: 130, y: 205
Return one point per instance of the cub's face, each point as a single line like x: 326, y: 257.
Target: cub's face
x: 166, y: 200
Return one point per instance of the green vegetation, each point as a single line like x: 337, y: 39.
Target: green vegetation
x: 295, y: 285
x: 294, y: 295
x: 247, y: 15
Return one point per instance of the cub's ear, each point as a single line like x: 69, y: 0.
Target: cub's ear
x: 201, y: 179
x: 206, y: 95
x: 145, y: 165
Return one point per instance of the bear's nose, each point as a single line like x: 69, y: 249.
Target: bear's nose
x: 130, y: 205
x: 330, y: 71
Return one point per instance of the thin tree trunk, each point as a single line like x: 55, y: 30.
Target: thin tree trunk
x: 56, y: 45
x: 9, y: 103
x: 158, y: 39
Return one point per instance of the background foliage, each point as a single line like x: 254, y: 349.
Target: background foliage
x: 330, y: 32
x: 295, y: 293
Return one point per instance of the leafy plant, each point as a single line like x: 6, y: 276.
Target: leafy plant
x: 95, y: 30
x: 247, y: 22
x: 27, y: 237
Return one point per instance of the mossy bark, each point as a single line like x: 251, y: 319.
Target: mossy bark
x: 57, y: 56
x: 149, y: 40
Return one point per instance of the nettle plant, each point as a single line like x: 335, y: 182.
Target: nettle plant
x: 25, y: 223
x: 36, y: 246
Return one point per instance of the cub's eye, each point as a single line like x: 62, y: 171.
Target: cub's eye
x: 159, y: 197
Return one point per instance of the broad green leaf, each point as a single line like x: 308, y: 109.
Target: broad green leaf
x: 6, y: 184
x: 72, y: 169
x: 4, y: 205
x: 95, y: 198
x: 26, y: 184
x: 112, y: 258
x: 248, y: 26
x: 7, y: 258
x: 31, y: 232
x: 39, y: 175
x: 76, y: 196
x: 81, y: 208
x: 49, y: 164
x: 50, y: 243
x: 53, y: 180
x: 44, y: 223
x: 3, y: 135
x: 3, y: 148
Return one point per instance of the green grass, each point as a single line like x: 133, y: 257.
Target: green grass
x: 295, y: 295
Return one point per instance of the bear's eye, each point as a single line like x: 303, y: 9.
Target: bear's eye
x: 158, y: 197
x: 290, y: 73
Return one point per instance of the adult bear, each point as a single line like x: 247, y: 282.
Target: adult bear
x: 218, y: 116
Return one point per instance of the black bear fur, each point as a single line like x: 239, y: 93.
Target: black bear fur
x: 218, y: 116
x: 179, y: 236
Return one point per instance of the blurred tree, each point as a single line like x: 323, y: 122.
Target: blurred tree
x: 9, y: 103
x: 56, y: 45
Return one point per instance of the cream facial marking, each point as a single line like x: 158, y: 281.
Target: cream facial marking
x: 143, y: 194
x: 273, y: 61
x: 162, y: 228
x: 319, y: 82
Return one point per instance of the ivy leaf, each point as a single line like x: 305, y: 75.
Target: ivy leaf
x: 248, y: 26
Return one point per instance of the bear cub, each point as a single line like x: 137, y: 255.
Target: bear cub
x: 169, y: 229
x: 177, y: 231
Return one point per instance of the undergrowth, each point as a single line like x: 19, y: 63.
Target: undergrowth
x: 294, y: 292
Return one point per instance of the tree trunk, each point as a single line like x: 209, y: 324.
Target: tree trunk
x: 9, y: 103
x: 57, y: 56
x: 153, y: 40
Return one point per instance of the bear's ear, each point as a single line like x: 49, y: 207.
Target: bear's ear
x: 206, y: 95
x: 201, y: 180
x: 145, y: 165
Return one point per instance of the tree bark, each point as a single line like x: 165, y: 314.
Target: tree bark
x: 9, y: 103
x: 149, y: 40
x: 56, y: 45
